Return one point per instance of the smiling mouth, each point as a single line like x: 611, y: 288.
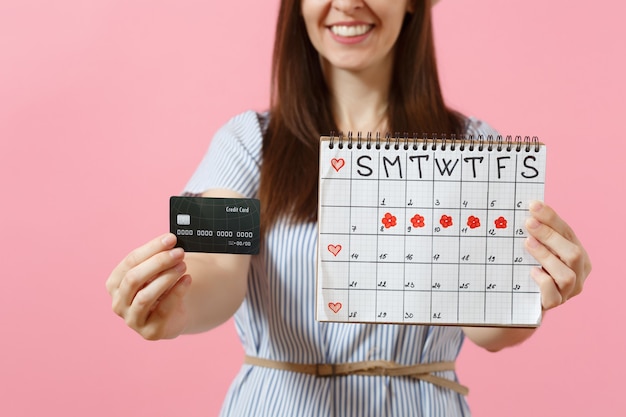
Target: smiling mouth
x: 351, y: 31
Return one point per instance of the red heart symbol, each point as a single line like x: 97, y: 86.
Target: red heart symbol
x: 337, y: 163
x: 334, y: 249
x: 335, y: 307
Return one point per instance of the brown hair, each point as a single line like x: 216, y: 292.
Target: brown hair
x: 300, y: 109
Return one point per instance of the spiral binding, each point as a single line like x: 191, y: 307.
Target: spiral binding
x: 434, y: 142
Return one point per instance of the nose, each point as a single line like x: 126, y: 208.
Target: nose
x: 347, y: 6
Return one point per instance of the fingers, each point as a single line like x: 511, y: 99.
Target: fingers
x: 145, y: 300
x: 555, y: 254
x: 546, y: 215
x: 137, y: 256
x: 550, y: 295
x: 555, y: 246
x: 143, y: 277
x: 156, y: 274
x: 148, y: 289
x: 142, y: 274
x: 168, y: 317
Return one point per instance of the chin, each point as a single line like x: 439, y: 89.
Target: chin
x: 353, y: 64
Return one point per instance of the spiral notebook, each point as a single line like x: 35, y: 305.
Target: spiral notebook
x: 427, y: 230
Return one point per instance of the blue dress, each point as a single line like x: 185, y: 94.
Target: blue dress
x: 277, y: 318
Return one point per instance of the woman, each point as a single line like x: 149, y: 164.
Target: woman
x: 349, y: 65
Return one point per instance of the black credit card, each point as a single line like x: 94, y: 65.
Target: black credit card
x: 216, y: 225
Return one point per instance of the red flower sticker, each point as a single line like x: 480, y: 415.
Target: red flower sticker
x: 473, y: 222
x: 389, y: 220
x: 418, y: 221
x: 446, y: 221
x: 500, y: 223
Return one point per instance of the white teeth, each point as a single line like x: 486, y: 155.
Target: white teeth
x: 349, y: 31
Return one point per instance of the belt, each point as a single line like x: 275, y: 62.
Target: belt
x: 422, y: 371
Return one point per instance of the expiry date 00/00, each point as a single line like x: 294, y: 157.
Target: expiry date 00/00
x: 239, y: 243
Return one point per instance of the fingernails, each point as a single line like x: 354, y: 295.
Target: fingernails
x: 532, y: 223
x: 176, y: 252
x: 535, y: 272
x: 535, y: 206
x: 168, y: 240
x: 532, y: 242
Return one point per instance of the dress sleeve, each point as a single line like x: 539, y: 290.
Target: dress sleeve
x: 233, y: 159
x: 478, y: 129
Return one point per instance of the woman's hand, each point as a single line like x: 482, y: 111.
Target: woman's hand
x: 565, y: 263
x: 148, y: 287
x: 565, y: 266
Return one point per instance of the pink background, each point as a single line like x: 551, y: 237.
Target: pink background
x: 106, y: 107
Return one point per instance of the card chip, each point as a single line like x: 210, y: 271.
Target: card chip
x: 183, y: 219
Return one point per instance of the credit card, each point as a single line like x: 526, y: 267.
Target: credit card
x: 216, y: 225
